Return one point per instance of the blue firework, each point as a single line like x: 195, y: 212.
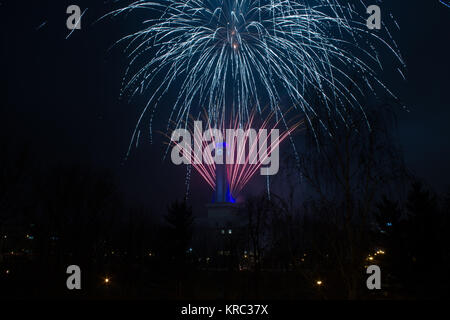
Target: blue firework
x: 230, y: 56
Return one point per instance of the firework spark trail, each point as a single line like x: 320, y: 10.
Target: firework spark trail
x: 227, y: 56
x: 240, y: 174
x: 445, y: 3
x: 41, y: 26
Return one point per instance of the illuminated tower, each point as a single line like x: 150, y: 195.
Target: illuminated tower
x: 223, y: 218
x: 222, y: 212
x: 222, y: 193
x: 221, y: 175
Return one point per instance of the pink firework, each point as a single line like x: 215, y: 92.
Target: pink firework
x: 244, y: 152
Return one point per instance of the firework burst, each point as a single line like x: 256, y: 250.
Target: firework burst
x: 246, y: 154
x: 227, y: 56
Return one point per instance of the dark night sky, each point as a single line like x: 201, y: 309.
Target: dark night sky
x: 61, y: 95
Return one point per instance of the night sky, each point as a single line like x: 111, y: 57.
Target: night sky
x: 62, y: 96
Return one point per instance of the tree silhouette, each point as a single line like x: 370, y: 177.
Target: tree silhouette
x: 423, y: 236
x: 388, y: 215
x: 180, y: 219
